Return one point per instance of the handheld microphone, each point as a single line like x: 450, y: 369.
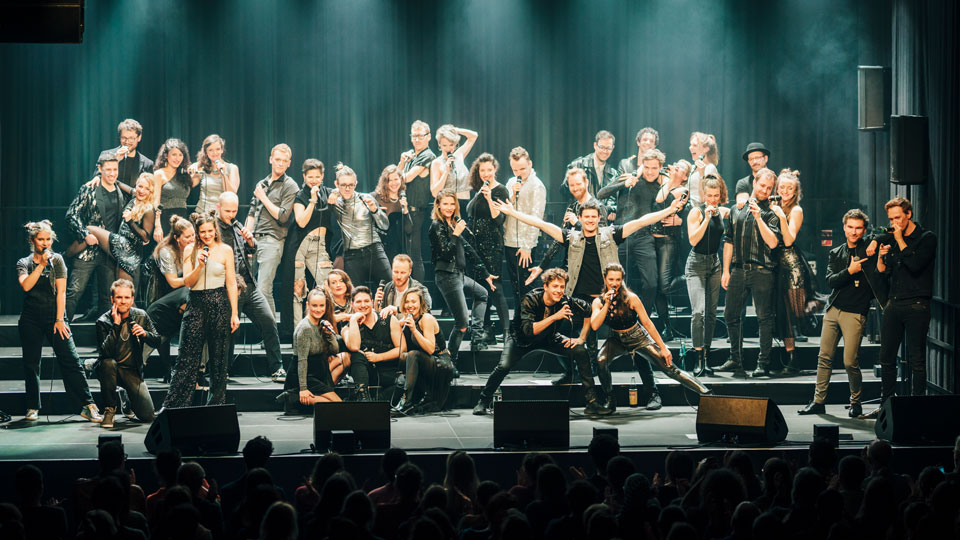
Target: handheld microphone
x: 383, y: 282
x: 123, y: 149
x: 753, y: 200
x: 459, y: 219
x: 219, y: 165
x: 49, y: 253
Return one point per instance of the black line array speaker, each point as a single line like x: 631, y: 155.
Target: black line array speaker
x: 195, y: 431
x: 873, y: 93
x: 740, y: 419
x: 531, y: 424
x: 369, y: 423
x: 909, y: 149
x: 41, y: 21
x: 919, y: 420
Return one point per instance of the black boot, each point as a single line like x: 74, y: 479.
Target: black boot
x: 606, y: 387
x: 654, y: 403
x: 290, y: 401
x: 798, y: 335
x: 363, y: 393
x: 702, y: 368
x: 789, y: 367
x: 483, y: 404
x: 669, y: 334
x: 594, y: 407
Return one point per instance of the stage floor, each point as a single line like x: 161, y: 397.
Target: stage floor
x: 61, y: 437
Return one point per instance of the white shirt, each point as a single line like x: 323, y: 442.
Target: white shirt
x: 531, y: 200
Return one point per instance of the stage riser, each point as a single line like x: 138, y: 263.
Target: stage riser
x: 783, y: 391
x: 255, y: 364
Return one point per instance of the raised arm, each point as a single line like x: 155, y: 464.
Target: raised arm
x: 471, y: 139
x: 646, y: 220
x: 550, y: 229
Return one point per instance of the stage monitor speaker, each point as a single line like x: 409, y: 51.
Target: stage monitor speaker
x: 740, y: 419
x: 194, y: 431
x: 41, y: 21
x: 531, y: 424
x: 369, y: 421
x: 873, y: 92
x: 909, y: 149
x: 915, y: 420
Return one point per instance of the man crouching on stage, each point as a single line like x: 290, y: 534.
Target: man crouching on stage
x: 534, y: 329
x: 121, y: 334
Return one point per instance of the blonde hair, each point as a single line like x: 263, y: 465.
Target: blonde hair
x: 708, y: 140
x: 343, y: 170
x: 448, y: 132
x: 142, y: 207
x: 283, y: 148
x: 36, y: 227
x: 437, y: 216
x: 519, y: 153
x: 712, y: 181
x: 790, y: 175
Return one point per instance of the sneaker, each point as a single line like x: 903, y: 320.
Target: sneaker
x: 108, y: 414
x: 91, y: 413
x: 32, y: 415
x: 481, y: 407
x: 654, y: 403
x: 279, y: 376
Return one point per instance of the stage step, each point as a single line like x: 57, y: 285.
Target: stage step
x: 252, y: 394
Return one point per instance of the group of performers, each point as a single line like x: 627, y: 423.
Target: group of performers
x: 367, y: 323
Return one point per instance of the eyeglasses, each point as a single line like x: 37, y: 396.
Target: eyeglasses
x: 346, y: 186
x: 419, y: 136
x: 605, y: 148
x: 131, y: 138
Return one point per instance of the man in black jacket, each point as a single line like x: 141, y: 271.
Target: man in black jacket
x: 852, y: 275
x: 121, y: 334
x: 907, y: 256
x: 534, y: 328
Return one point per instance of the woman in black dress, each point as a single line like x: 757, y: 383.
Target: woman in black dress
x: 487, y: 225
x: 390, y: 196
x: 314, y: 342
x: 172, y: 185
x: 340, y: 290
x: 136, y: 229
x: 43, y: 277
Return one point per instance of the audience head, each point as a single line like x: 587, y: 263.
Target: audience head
x: 822, y: 456
x: 807, y: 486
x: 551, y: 483
x: 515, y: 526
x: 600, y: 522
x: 679, y: 465
x: 111, y: 456
x: 530, y: 468
x: 408, y: 481
x: 28, y: 483
x: 636, y: 492
x: 392, y: 459
x: 191, y: 475
x: 668, y: 516
x: 768, y: 525
x: 257, y: 451
x: 279, y: 523
x: 435, y: 496
x: 777, y: 476
x: 483, y: 171
x: 358, y: 509
x: 461, y: 474
x: 619, y: 468
x: 326, y: 466
x: 879, y: 455
x: 851, y: 471
x: 743, y: 517
x: 166, y: 465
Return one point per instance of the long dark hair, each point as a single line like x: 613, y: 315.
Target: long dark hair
x: 165, y: 148
x: 205, y: 164
x: 475, y: 182
x: 328, y: 314
x: 621, y: 305
x: 177, y: 227
x: 198, y: 219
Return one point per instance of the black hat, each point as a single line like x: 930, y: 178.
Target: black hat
x: 755, y: 147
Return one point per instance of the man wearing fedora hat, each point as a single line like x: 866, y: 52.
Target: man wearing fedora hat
x: 756, y: 155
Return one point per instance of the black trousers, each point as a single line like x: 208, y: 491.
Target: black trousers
x: 910, y: 318
x: 513, y: 352
x: 760, y: 281
x: 167, y: 318
x: 34, y: 329
x: 367, y: 265
x: 112, y: 374
x: 380, y: 374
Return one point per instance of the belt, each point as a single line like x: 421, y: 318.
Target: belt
x: 749, y: 266
x: 262, y: 235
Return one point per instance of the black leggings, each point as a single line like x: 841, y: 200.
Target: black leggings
x: 33, y: 330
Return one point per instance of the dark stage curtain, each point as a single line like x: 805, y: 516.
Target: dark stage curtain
x: 926, y: 81
x: 342, y: 81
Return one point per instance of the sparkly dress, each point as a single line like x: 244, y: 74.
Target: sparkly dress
x: 126, y: 245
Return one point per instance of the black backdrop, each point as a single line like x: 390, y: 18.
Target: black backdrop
x: 342, y: 81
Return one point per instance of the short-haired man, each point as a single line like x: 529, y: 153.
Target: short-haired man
x: 361, y: 221
x: 852, y: 275
x: 756, y: 155
x: 535, y: 329
x: 647, y: 139
x: 415, y: 171
x: 130, y: 162
x: 598, y: 169
x: 589, y: 251
x: 636, y: 195
x: 99, y: 204
x: 250, y: 301
x: 750, y: 236
x: 907, y: 256
x: 527, y: 195
x: 269, y: 216
x: 576, y: 181
x: 313, y: 217
x: 389, y: 297
x: 121, y: 334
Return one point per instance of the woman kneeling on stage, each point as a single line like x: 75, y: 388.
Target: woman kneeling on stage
x: 633, y: 333
x: 43, y: 277
x: 211, y: 314
x: 426, y: 360
x: 314, y: 341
